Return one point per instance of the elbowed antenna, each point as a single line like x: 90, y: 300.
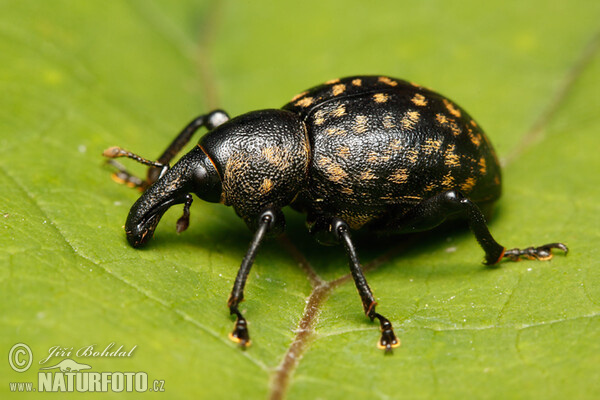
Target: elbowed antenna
x: 193, y: 173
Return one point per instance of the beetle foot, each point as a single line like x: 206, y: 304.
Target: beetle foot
x: 240, y: 333
x: 542, y: 253
x: 388, y: 340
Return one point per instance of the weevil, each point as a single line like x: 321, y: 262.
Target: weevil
x: 364, y: 152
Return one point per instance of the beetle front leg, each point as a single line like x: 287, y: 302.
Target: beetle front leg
x: 157, y: 168
x: 240, y: 333
x: 332, y: 230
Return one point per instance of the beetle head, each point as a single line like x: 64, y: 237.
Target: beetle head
x: 193, y: 173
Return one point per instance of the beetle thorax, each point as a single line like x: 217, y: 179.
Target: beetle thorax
x: 262, y: 158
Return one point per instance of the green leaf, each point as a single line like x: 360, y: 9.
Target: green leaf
x: 78, y: 77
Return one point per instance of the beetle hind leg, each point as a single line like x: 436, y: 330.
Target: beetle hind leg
x: 435, y: 210
x: 542, y: 253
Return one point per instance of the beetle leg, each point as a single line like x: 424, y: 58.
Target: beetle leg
x: 331, y: 230
x: 240, y: 331
x: 157, y: 168
x: 435, y: 210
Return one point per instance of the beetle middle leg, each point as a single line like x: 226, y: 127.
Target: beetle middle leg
x: 158, y: 167
x: 333, y: 230
x: 266, y: 222
x: 432, y: 212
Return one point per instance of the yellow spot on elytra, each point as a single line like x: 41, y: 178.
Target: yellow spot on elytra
x: 305, y: 102
x: 497, y: 179
x: 473, y: 123
x: 482, y: 166
x: 448, y: 181
x: 455, y: 128
x: 332, y: 81
x: 335, y: 130
x: 333, y: 169
x: 366, y: 175
x: 338, y: 89
x: 430, y: 187
x: 441, y: 119
x: 335, y: 172
x: 360, y: 124
x: 412, y: 155
x: 319, y: 117
x: 372, y: 157
x: 468, y: 184
x: 357, y: 82
x: 399, y: 176
x: 347, y: 190
x: 431, y: 146
x: 266, y: 186
x: 410, y: 119
x: 396, y: 145
x: 380, y: 97
x: 452, y: 108
x: 388, y: 122
x: 339, y: 111
x: 451, y: 159
x: 387, y: 81
x: 296, y: 97
x: 415, y: 84
x: 419, y: 100
x: 343, y: 152
x: 475, y: 138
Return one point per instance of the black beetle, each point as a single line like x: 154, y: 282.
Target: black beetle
x: 363, y: 152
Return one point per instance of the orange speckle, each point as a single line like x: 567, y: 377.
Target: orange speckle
x: 468, y: 184
x: 319, y: 117
x: 482, y: 166
x: 380, y: 97
x: 335, y: 172
x: 455, y: 128
x: 452, y: 108
x: 332, y: 81
x: 335, y: 130
x: 387, y: 81
x: 441, y: 119
x: 372, y: 157
x: 339, y: 111
x: 412, y: 155
x: 448, y: 180
x: 305, y: 102
x: 367, y: 175
x: 296, y: 97
x: 419, y: 100
x: 343, y: 152
x: 346, y: 190
x: 431, y: 146
x: 473, y: 123
x: 338, y: 89
x: 410, y: 119
x: 399, y: 176
x: 388, y: 122
x: 360, y: 124
x: 475, y: 138
x: 396, y: 145
x: 357, y: 82
x: 451, y: 159
x: 266, y: 186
